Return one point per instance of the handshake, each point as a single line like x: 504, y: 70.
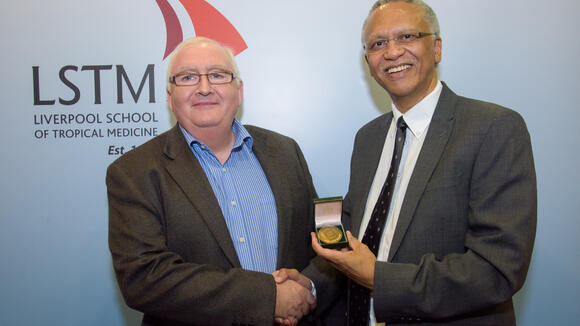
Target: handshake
x: 294, y: 297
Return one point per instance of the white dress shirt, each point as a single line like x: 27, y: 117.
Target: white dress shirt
x: 418, y: 119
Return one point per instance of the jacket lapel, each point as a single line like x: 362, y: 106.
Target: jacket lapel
x: 370, y: 157
x: 185, y: 169
x: 436, y: 139
x: 267, y: 155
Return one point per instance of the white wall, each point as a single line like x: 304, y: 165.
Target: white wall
x: 304, y: 76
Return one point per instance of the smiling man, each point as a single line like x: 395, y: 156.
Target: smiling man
x: 442, y: 195
x: 202, y: 216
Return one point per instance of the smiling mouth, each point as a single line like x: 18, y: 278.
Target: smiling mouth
x: 398, y: 69
x: 204, y: 103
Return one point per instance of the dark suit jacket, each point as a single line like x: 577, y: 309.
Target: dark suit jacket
x: 465, y: 233
x: 172, y: 252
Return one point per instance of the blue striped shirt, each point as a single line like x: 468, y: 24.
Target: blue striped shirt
x: 245, y: 198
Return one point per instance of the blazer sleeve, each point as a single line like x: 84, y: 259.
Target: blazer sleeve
x: 495, y: 249
x: 158, y: 281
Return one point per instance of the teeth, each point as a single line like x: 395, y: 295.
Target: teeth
x: 397, y: 69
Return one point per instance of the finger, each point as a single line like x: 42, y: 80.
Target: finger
x: 286, y: 321
x: 304, y: 308
x: 322, y: 252
x: 312, y: 302
x: 328, y: 254
x: 303, y: 303
x: 351, y: 237
x: 310, y: 299
x: 313, y: 306
x: 352, y: 241
x: 315, y: 245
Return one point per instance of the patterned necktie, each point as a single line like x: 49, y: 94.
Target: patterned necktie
x: 359, y: 296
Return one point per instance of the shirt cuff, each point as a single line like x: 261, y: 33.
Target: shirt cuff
x: 313, y: 289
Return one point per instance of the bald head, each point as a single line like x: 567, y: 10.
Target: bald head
x: 428, y: 14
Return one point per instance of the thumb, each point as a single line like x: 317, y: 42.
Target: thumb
x: 352, y: 240
x: 280, y: 276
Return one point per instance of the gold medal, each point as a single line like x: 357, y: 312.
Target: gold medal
x: 329, y: 234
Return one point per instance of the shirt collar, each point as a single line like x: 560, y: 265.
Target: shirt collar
x: 419, y: 116
x: 241, y: 136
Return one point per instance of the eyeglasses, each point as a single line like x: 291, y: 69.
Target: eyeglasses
x: 191, y: 78
x: 401, y: 39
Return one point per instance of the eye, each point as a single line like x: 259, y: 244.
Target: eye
x: 379, y: 44
x: 217, y: 75
x: 407, y: 38
x: 188, y: 77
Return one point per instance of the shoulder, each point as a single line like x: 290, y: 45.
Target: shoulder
x: 475, y: 115
x: 375, y: 127
x: 265, y: 136
x: 147, y: 154
x: 484, y: 109
x: 262, y: 132
x: 474, y: 109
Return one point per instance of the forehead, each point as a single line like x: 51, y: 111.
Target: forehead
x: 394, y: 17
x: 201, y: 57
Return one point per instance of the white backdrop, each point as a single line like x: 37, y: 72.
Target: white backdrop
x: 304, y: 76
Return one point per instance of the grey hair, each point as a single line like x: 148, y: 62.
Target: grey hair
x: 199, y: 40
x: 428, y: 14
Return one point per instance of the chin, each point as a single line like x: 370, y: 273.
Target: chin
x: 399, y: 90
x: 206, y: 124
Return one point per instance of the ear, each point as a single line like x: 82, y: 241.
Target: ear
x: 371, y: 72
x: 169, y: 102
x: 437, y: 49
x: 241, y: 91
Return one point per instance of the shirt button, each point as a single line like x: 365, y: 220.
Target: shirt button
x: 234, y: 203
x: 242, y: 239
x: 224, y: 169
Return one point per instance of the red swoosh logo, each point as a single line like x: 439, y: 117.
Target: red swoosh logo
x: 172, y: 27
x: 207, y: 22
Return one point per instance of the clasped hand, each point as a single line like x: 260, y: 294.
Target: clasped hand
x: 294, y: 297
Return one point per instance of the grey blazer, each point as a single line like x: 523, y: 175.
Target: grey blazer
x: 465, y: 233
x: 172, y: 252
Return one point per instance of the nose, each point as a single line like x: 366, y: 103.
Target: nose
x: 204, y: 87
x: 393, y: 51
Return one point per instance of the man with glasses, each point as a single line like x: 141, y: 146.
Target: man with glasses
x: 442, y: 195
x: 202, y: 216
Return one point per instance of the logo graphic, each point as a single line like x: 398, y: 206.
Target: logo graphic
x: 207, y: 22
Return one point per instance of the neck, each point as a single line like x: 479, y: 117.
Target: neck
x: 405, y: 103
x: 219, y: 140
x: 404, y: 106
